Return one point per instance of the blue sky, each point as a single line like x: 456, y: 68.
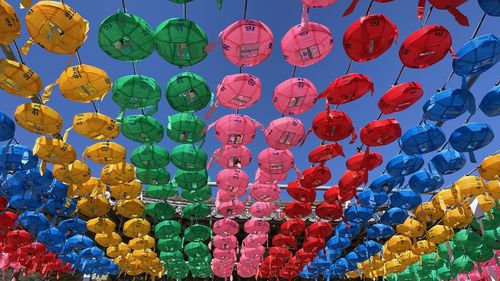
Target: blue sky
x: 279, y: 15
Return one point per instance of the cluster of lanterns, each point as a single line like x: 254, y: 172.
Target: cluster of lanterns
x: 406, y: 238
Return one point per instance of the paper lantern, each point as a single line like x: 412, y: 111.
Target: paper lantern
x: 284, y: 133
x: 306, y: 44
x: 477, y: 55
x: 185, y: 128
x: 295, y: 96
x: 54, y: 151
x: 129, y: 208
x: 247, y: 42
x: 490, y: 7
x: 425, y: 47
x: 114, y: 174
x: 234, y: 129
x: 380, y: 132
x: 238, y: 91
x: 126, y: 37
x: 38, y: 118
x: 150, y: 157
x: 333, y: 126
x: 422, y: 139
x: 490, y: 104
x: 181, y: 42
x: 386, y: 182
x: 142, y: 129
x: 188, y: 92
x: 18, y: 79
x: 11, y: 27
x: 400, y: 97
x: 105, y: 153
x: 450, y: 5
x: 471, y: 137
x: 81, y: 83
x: 136, y: 92
x: 347, y: 88
x: 449, y: 104
x: 50, y: 26
x: 369, y: 37
x: 232, y: 156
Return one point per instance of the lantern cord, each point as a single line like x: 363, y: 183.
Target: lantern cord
x: 124, y: 7
x: 14, y: 138
x: 18, y: 52
x: 78, y: 57
x: 399, y: 75
x: 142, y: 110
x: 348, y: 67
x: 241, y: 68
x: 134, y: 67
x: 184, y: 10
x: 369, y: 8
x: 245, y: 10
x: 95, y: 107
x: 445, y: 144
x: 293, y: 71
x: 428, y: 16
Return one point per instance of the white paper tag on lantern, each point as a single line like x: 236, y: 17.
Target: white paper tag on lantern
x: 450, y: 252
x: 493, y: 273
x: 476, y: 209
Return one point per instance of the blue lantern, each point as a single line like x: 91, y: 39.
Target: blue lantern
x: 447, y: 161
x: 404, y: 164
x: 7, y: 127
x: 394, y: 216
x: 477, y: 55
x: 422, y: 139
x: 16, y: 157
x: 425, y: 181
x: 406, y: 199
x: 379, y: 231
x: 490, y: 7
x: 471, y: 137
x: 449, y: 104
x: 372, y: 200
x: 73, y: 226
x: 490, y: 104
x: 386, y: 183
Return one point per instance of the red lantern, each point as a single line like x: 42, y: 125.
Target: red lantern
x: 315, y: 176
x: 319, y: 229
x: 313, y: 244
x: 328, y: 211
x: 281, y: 240
x: 354, y: 3
x: 425, y: 46
x: 450, y: 5
x: 347, y: 88
x: 280, y: 253
x: 7, y: 220
x: 333, y: 125
x: 304, y: 257
x: 364, y: 161
x: 300, y: 193
x: 400, y: 97
x: 352, y: 179
x: 293, y: 227
x: 380, y: 132
x: 325, y: 152
x: 298, y: 210
x: 369, y: 37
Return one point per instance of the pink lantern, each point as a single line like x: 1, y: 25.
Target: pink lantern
x: 246, y: 271
x: 222, y: 268
x: 225, y: 242
x: 232, y: 180
x: 295, y: 96
x: 276, y: 161
x: 306, y: 43
x: 265, y: 192
x: 254, y: 240
x: 284, y: 133
x: 224, y: 195
x: 224, y: 255
x: 232, y: 156
x: 265, y: 177
x: 253, y: 253
x: 238, y: 91
x: 247, y: 42
x: 256, y: 226
x: 262, y: 209
x: 249, y: 262
x: 318, y: 3
x: 235, y: 129
x: 226, y: 227
x: 230, y: 208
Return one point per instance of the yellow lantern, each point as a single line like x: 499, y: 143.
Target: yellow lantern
x: 94, y: 126
x: 468, y: 186
x: 108, y: 239
x: 10, y: 28
x: 352, y: 274
x: 445, y: 199
x: 411, y: 228
x: 120, y: 250
x: 423, y: 247
x: 407, y: 258
x: 486, y: 203
x: 19, y: 80
x: 440, y: 233
x: 105, y: 153
x: 90, y: 186
x: 493, y: 188
x: 53, y: 151
x: 114, y: 174
x: 142, y: 243
x: 394, y: 266
x: 101, y: 225
x: 81, y: 83
x: 130, y: 208
x: 127, y: 190
x: 93, y: 206
x: 426, y: 212
x: 490, y: 167
x: 38, y: 118
x: 398, y: 244
x: 56, y: 27
x: 136, y: 227
x: 458, y: 217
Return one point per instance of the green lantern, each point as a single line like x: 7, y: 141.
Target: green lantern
x: 444, y: 273
x: 161, y: 191
x: 489, y: 222
x: 185, y: 128
x: 167, y: 229
x: 188, y: 92
x: 136, y: 92
x: 431, y: 261
x: 197, y: 195
x: 197, y: 233
x: 142, y: 129
x: 196, y: 249
x: 154, y: 176
x: 169, y: 244
x: 462, y: 264
x: 177, y: 271
x: 150, y: 157
x: 189, y: 157
x: 492, y: 238
x: 191, y: 179
x: 196, y: 210
x: 172, y: 258
x: 467, y: 239
x: 199, y: 261
x: 126, y: 37
x: 481, y: 253
x: 159, y: 211
x: 181, y: 42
